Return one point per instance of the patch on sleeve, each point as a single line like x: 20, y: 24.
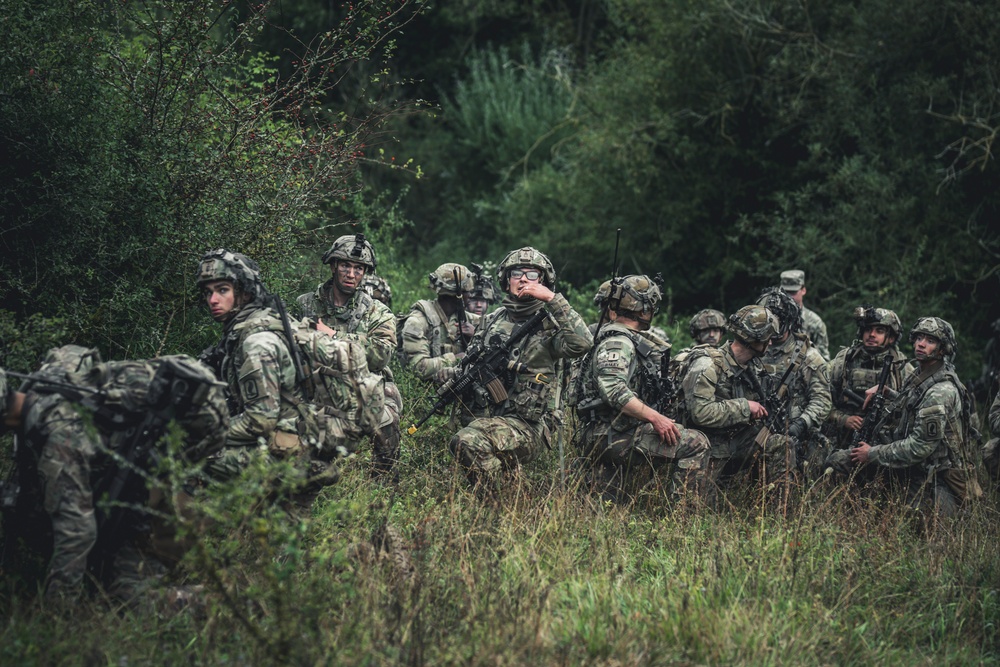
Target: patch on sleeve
x: 249, y: 389
x: 932, y: 422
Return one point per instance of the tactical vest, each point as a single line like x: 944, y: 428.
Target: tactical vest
x: 645, y: 383
x: 860, y: 372
x: 679, y: 367
x: 346, y: 399
x: 313, y: 305
x: 904, y: 413
x: 440, y: 341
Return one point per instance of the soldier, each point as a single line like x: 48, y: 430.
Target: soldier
x: 856, y: 369
x: 268, y: 409
x: 708, y: 327
x: 512, y: 431
x: 342, y: 310
x: 794, y: 282
x: 808, y: 386
x: 90, y: 431
x: 625, y: 395
x: 483, y: 293
x: 436, y: 333
x: 378, y: 287
x: 924, y: 445
x: 722, y: 396
x: 991, y: 455
x: 984, y: 387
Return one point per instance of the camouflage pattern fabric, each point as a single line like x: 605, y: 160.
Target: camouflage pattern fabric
x: 372, y: 324
x: 990, y: 453
x: 72, y: 445
x: 814, y: 326
x: 808, y: 389
x: 4, y: 399
x: 924, y: 443
x: 431, y: 339
x: 717, y: 390
x: 265, y: 401
x: 511, y: 431
x: 856, y: 370
x: 613, y: 439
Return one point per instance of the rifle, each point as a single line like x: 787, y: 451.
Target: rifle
x: 776, y: 403
x: 293, y: 347
x: 461, y: 312
x: 876, y: 409
x: 482, y: 368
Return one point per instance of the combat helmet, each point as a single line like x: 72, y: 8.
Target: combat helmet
x: 527, y: 256
x: 235, y: 267
x: 635, y: 294
x: 783, y: 307
x: 753, y: 324
x: 707, y: 319
x: 451, y: 279
x: 484, y: 287
x: 869, y: 316
x: 940, y: 329
x: 352, y: 248
x: 378, y: 287
x: 602, y: 294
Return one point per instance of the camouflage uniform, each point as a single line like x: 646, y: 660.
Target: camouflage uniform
x: 368, y: 322
x: 792, y: 282
x: 816, y: 330
x: 268, y: 410
x: 378, y: 287
x: 432, y: 341
x: 991, y: 455
x: 923, y: 442
x: 716, y: 390
x: 76, y: 448
x: 615, y: 441
x: 512, y: 432
x: 856, y: 369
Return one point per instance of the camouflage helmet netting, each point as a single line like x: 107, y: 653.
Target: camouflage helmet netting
x: 527, y: 256
x: 707, y: 319
x: 378, y: 287
x: 784, y: 308
x: 635, y: 293
x: 940, y: 329
x: 869, y: 316
x: 753, y: 324
x: 352, y: 248
x: 443, y: 279
x: 602, y: 294
x: 236, y: 267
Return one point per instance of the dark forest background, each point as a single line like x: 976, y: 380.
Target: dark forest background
x: 728, y: 139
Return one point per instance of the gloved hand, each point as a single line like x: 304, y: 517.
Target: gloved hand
x: 445, y: 374
x: 797, y: 429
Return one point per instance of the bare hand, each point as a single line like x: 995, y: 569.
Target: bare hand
x: 536, y: 290
x: 467, y: 329
x: 860, y: 453
x: 854, y: 422
x: 664, y: 427
x: 757, y: 411
x: 325, y: 329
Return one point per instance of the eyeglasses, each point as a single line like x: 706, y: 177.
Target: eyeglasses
x: 530, y: 274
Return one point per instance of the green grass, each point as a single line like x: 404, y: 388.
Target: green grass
x: 545, y: 575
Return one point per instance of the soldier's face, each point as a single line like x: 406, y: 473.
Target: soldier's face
x: 348, y: 275
x: 476, y: 304
x: 711, y: 336
x: 876, y: 336
x: 220, y: 295
x: 925, y: 347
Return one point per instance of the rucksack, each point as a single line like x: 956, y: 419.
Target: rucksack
x: 346, y: 398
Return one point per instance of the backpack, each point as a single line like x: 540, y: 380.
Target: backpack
x: 345, y: 398
x: 680, y: 366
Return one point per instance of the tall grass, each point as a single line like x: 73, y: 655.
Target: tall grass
x: 425, y: 572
